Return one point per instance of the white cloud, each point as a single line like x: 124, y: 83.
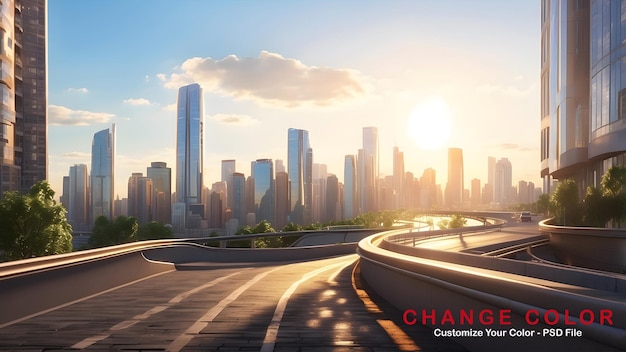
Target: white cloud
x: 137, y: 102
x: 234, y: 119
x: 147, y: 79
x: 269, y: 79
x: 170, y: 107
x: 62, y: 116
x: 77, y: 90
x: 76, y: 155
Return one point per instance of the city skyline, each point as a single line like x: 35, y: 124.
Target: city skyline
x: 488, y: 86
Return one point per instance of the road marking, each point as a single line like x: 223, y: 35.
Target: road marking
x: 182, y: 340
x: 272, y: 330
x: 81, y: 299
x: 399, y: 337
x: 157, y: 309
x: 333, y: 276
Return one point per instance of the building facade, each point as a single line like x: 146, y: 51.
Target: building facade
x: 189, y: 156
x: 161, y: 177
x: 78, y: 198
x: 300, y: 171
x: 140, y: 192
x: 350, y: 201
x: 102, y: 173
x: 263, y: 176
x: 455, y: 186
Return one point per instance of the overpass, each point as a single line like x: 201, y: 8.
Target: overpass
x: 178, y: 295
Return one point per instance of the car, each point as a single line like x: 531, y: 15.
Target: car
x: 525, y: 216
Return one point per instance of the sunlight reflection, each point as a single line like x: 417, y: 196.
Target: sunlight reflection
x: 341, y: 300
x: 326, y: 313
x: 327, y: 294
x: 313, y: 323
x: 342, y: 326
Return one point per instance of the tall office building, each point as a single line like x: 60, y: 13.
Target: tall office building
x: 140, y: 192
x: 398, y: 178
x: 583, y: 90
x: 161, y: 177
x: 23, y: 88
x: 476, y: 196
x: 503, y: 182
x: 300, y: 171
x: 189, y: 156
x: 228, y: 169
x: 239, y: 198
x: 103, y: 173
x: 455, y: 186
x: 428, y: 189
x: 350, y: 201
x: 491, y: 179
x: 263, y: 176
x: 368, y: 170
x: 78, y: 198
x: 282, y: 200
x: 331, y: 209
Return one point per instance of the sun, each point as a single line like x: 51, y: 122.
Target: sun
x: 429, y: 124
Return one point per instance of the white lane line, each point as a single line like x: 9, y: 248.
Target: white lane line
x: 81, y: 299
x: 182, y: 340
x: 157, y: 309
x: 333, y: 276
x: 272, y: 329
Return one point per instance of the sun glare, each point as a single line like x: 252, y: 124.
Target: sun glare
x: 429, y: 124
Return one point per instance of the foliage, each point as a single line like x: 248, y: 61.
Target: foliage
x: 108, y: 233
x: 290, y: 227
x: 596, y: 208
x: 565, y: 202
x: 614, y: 191
x: 457, y: 221
x: 443, y: 224
x: 154, y: 231
x: 543, y: 204
x: 33, y: 224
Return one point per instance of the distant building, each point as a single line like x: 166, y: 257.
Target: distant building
x: 300, y: 171
x: 367, y: 170
x: 189, y: 155
x: 282, y: 200
x: 350, y: 209
x: 263, y: 175
x: 78, y: 198
x: 455, y: 186
x: 140, y: 192
x: 239, y: 197
x: 331, y: 210
x: 103, y: 173
x: 398, y: 178
x: 475, y: 195
x: 228, y: 169
x: 503, y: 182
x: 161, y: 177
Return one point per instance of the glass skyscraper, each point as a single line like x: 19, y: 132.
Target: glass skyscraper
x: 300, y: 170
x: 189, y: 153
x: 263, y: 175
x: 161, y: 177
x: 455, y: 186
x: 349, y: 188
x: 102, y: 173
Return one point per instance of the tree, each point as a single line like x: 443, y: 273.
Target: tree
x: 566, y: 202
x: 614, y: 190
x: 108, y: 233
x: 33, y: 224
x: 290, y: 227
x: 154, y: 231
x: 543, y: 204
x: 597, y: 208
x: 457, y: 221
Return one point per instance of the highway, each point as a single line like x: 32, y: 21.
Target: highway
x: 289, y: 306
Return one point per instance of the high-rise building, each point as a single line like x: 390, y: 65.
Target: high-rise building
x: 491, y: 179
x: 455, y: 187
x: 398, y: 178
x: 350, y: 201
x: 228, y: 169
x: 282, y: 200
x: 102, y: 173
x: 476, y: 198
x: 332, y: 199
x: 300, y: 170
x: 368, y: 170
x: 503, y: 182
x: 263, y: 175
x: 64, y: 199
x: 161, y: 177
x: 140, y: 192
x: 23, y: 88
x: 78, y: 198
x: 239, y: 197
x: 189, y: 155
x: 428, y: 189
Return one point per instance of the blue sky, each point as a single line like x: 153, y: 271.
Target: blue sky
x: 331, y: 67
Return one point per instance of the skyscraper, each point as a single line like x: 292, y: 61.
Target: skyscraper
x: 368, y: 170
x: 349, y: 189
x: 503, y: 182
x: 189, y: 154
x: 161, y: 177
x: 103, y: 173
x: 78, y: 198
x: 455, y: 186
x: 282, y: 200
x: 239, y: 197
x: 23, y: 88
x: 263, y: 175
x: 140, y: 192
x: 299, y: 169
x: 228, y: 169
x: 398, y: 178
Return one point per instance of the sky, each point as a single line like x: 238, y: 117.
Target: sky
x: 430, y: 75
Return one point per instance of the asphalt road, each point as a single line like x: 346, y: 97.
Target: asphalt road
x: 315, y: 305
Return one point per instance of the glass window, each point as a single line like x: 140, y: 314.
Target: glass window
x: 605, y: 96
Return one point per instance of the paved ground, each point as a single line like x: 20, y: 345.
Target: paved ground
x: 307, y: 306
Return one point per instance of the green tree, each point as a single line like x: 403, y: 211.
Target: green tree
x: 154, y: 231
x: 108, y: 233
x: 566, y: 202
x: 543, y: 204
x: 596, y: 208
x: 457, y: 221
x: 291, y: 227
x: 614, y: 191
x: 443, y: 224
x: 33, y: 224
